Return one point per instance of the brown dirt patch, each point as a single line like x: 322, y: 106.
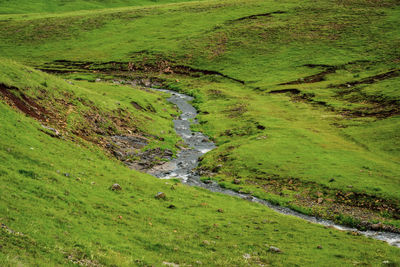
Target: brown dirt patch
x: 24, y: 103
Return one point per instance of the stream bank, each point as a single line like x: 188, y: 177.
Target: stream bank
x: 182, y: 167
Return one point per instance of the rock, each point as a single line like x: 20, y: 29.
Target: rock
x: 376, y: 226
x: 118, y: 154
x: 274, y: 249
x: 247, y: 256
x: 220, y: 210
x: 171, y: 206
x: 66, y: 174
x: 160, y: 195
x: 207, y: 181
x: 55, y: 131
x: 319, y: 247
x: 116, y: 187
x: 170, y: 264
x: 236, y: 181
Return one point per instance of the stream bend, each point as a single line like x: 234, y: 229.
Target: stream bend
x: 198, y: 144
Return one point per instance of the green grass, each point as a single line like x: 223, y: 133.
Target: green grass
x: 40, y: 6
x: 94, y: 109
x: 329, y: 139
x: 56, y: 193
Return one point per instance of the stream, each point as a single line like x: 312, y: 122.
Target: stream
x: 198, y: 144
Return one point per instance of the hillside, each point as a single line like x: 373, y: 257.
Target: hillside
x: 59, y: 6
x: 301, y: 99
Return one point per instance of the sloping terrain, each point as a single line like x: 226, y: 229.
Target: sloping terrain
x: 57, y: 206
x: 40, y: 6
x: 302, y: 100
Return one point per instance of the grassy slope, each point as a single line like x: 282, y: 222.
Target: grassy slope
x: 54, y: 219
x: 40, y: 6
x: 92, y: 110
x: 309, y: 142
x: 301, y: 141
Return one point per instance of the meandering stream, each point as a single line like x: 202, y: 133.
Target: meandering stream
x: 198, y: 144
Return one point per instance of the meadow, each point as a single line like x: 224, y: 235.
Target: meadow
x: 302, y: 100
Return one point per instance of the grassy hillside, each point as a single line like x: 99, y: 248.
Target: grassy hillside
x: 57, y: 208
x: 91, y: 111
x: 302, y: 100
x: 305, y: 93
x: 40, y: 6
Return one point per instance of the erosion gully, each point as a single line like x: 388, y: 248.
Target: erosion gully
x: 182, y: 168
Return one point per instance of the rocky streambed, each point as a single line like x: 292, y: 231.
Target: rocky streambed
x: 198, y: 144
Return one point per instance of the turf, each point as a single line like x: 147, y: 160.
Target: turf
x: 57, y: 209
x: 59, y: 6
x: 302, y: 100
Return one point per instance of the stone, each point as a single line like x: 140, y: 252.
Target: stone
x: 118, y: 154
x: 116, y: 187
x: 274, y: 249
x: 55, y: 131
x: 247, y: 256
x: 376, y: 226
x: 160, y: 195
x: 170, y: 264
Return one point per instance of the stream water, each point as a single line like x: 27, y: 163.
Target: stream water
x: 198, y: 144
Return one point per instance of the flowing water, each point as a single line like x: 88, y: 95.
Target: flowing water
x: 198, y: 144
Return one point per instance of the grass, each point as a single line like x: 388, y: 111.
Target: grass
x: 58, y: 209
x: 91, y: 109
x: 328, y: 145
x: 59, y: 6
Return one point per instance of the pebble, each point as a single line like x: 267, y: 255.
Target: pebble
x: 160, y: 195
x: 274, y: 249
x: 116, y: 187
x: 246, y: 256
